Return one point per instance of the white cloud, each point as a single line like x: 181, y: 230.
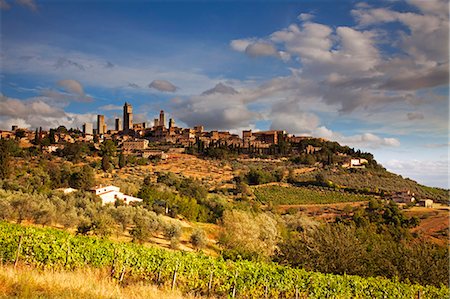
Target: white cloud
x: 305, y: 17
x: 429, y: 172
x: 240, y: 45
x: 364, y: 141
x: 162, y: 85
x: 72, y: 86
x: 35, y: 112
x: 261, y: 49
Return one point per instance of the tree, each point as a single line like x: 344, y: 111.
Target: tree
x: 45, y: 213
x: 103, y: 225
x: 248, y: 236
x: 173, y: 232
x: 5, y: 159
x: 5, y: 210
x: 108, y: 148
x: 20, y: 133
x: 74, y: 151
x: 198, y: 239
x: 83, y: 179
x: 37, y: 137
x: 123, y: 215
x: 122, y: 160
x: 69, y: 218
x: 106, y: 163
x: 145, y: 224
x: 51, y: 136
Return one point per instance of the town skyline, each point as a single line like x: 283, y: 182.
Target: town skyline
x: 372, y: 75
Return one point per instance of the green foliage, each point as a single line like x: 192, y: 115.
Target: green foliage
x: 122, y: 160
x: 49, y: 248
x: 388, y: 218
x: 347, y: 249
x: 74, y: 152
x: 7, y: 150
x: 259, y: 176
x: 279, y: 195
x: 198, y: 239
x: 185, y: 186
x: 82, y: 179
x: 108, y: 148
x: 248, y: 236
x: 106, y: 163
x: 145, y: 224
x: 377, y: 181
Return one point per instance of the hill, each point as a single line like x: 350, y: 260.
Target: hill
x: 191, y: 273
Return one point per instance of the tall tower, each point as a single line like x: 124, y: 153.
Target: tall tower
x: 171, y: 123
x: 127, y: 117
x: 101, y: 124
x: 88, y: 128
x: 118, y: 125
x: 162, y: 118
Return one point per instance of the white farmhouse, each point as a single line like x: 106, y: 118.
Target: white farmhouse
x: 109, y: 194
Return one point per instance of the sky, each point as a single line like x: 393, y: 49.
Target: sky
x: 373, y: 75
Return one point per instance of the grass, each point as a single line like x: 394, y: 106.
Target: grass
x: 281, y: 195
x: 29, y: 282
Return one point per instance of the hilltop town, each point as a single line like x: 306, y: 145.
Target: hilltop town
x: 135, y: 139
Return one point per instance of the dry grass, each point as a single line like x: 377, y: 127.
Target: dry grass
x: 28, y: 282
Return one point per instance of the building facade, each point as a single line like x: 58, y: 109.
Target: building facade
x: 127, y: 117
x: 101, y: 126
x: 118, y: 125
x: 162, y: 119
x: 88, y: 128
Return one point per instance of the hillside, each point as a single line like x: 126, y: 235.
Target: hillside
x: 189, y: 273
x: 272, y: 209
x: 375, y: 180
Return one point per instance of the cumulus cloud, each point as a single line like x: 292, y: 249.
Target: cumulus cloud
x: 72, y: 86
x: 74, y: 92
x: 220, y: 88
x: 215, y: 110
x: 240, y: 45
x: 255, y: 48
x: 429, y: 172
x: 162, y: 85
x: 35, y: 112
x: 305, y: 17
x: 365, y: 140
x: 261, y: 49
x: 345, y: 66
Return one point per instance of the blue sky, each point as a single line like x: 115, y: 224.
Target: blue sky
x: 370, y: 74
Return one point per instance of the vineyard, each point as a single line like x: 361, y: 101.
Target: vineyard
x: 192, y: 273
x: 301, y: 195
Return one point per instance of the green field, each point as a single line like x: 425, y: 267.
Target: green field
x: 194, y: 273
x: 280, y: 195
